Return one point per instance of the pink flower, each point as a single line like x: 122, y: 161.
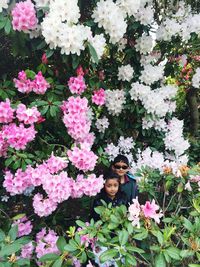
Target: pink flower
x: 99, y: 97
x: 43, y: 207
x: 77, y: 85
x: 79, y: 71
x: 82, y: 159
x: 150, y: 211
x: 134, y: 213
x: 40, y: 84
x: 24, y: 226
x: 24, y: 16
x: 27, y: 251
x: 56, y: 164
x: 27, y: 115
x: 23, y: 84
x: 6, y: 112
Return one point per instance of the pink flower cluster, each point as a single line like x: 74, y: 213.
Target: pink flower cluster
x: 90, y: 186
x: 46, y: 243
x: 27, y: 115
x: 18, y: 136
x: 27, y: 251
x: 24, y: 85
x: 6, y: 112
x: 77, y: 85
x: 24, y: 226
x: 76, y: 118
x: 82, y: 158
x: 149, y: 210
x: 43, y: 207
x: 99, y: 97
x: 24, y: 16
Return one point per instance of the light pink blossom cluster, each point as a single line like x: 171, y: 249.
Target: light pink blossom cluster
x: 43, y: 207
x: 193, y: 179
x: 89, y: 186
x: 18, y: 136
x: 76, y: 118
x: 99, y: 97
x: 77, y: 85
x: 24, y: 16
x: 149, y: 210
x: 6, y: 112
x: 24, y: 85
x: 24, y: 226
x: 27, y: 115
x: 27, y: 251
x: 46, y: 242
x: 82, y: 158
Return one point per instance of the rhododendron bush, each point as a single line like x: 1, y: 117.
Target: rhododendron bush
x: 89, y: 81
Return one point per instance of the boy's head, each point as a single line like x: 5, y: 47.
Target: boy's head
x: 112, y: 184
x: 120, y: 165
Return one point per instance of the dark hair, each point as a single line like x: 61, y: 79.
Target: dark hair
x: 121, y: 158
x: 111, y: 175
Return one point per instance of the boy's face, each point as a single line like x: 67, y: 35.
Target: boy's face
x: 120, y: 168
x: 111, y: 187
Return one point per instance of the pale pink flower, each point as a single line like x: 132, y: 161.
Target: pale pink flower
x: 99, y: 97
x: 134, y: 213
x: 40, y: 84
x: 24, y: 226
x: 27, y: 251
x: 77, y: 85
x: 23, y: 84
x: 188, y: 186
x: 56, y: 164
x: 27, y: 115
x: 6, y: 112
x: 43, y: 207
x: 24, y: 16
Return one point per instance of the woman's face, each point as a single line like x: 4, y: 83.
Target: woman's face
x: 120, y: 168
x: 111, y: 187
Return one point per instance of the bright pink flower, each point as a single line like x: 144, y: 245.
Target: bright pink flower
x: 99, y: 97
x: 27, y: 115
x: 6, y: 112
x: 77, y: 85
x: 56, y: 164
x: 150, y: 211
x: 23, y: 84
x: 79, y: 71
x: 24, y: 16
x: 40, y: 84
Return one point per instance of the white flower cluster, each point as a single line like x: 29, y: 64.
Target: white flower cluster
x: 3, y: 4
x: 42, y: 3
x: 102, y: 124
x: 174, y: 140
x: 129, y: 6
x: 145, y: 15
x: 151, y: 74
x: 122, y: 44
x: 99, y: 43
x: 196, y: 79
x: 114, y: 101
x: 125, y: 73
x: 144, y: 44
x: 109, y: 16
x: 124, y: 147
x: 156, y: 102
x: 170, y: 27
x: 157, y: 124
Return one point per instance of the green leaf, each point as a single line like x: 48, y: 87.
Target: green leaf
x: 70, y: 248
x: 8, y: 161
x: 80, y: 223
x: 174, y: 253
x: 2, y: 23
x: 160, y: 261
x: 61, y: 243
x: 108, y: 255
x: 58, y: 263
x: 23, y: 262
x: 135, y: 249
x: 53, y: 111
x: 49, y: 53
x: 186, y: 253
x: 141, y: 235
x: 2, y: 235
x: 75, y: 61
x: 7, y: 27
x: 160, y: 237
x: 194, y: 265
x: 49, y: 257
x: 13, y: 232
x: 9, y: 249
x: 188, y: 225
x: 123, y: 237
x: 129, y: 259
x: 93, y: 53
x: 30, y: 74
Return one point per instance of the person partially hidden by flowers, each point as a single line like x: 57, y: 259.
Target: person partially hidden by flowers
x: 121, y: 167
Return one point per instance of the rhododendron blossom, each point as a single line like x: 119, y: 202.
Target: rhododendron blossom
x: 24, y: 226
x: 24, y: 16
x: 6, y: 112
x: 43, y: 207
x: 150, y: 211
x: 27, y: 251
x: 77, y: 85
x: 40, y: 84
x: 27, y: 115
x: 99, y: 97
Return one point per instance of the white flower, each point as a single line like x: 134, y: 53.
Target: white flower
x: 4, y: 198
x: 42, y: 3
x: 145, y: 15
x: 196, y: 79
x: 144, y: 44
x: 129, y: 6
x: 125, y: 144
x: 3, y: 4
x: 114, y: 101
x: 153, y: 57
x: 151, y: 74
x: 122, y: 44
x: 138, y: 91
x: 99, y: 43
x: 106, y: 14
x: 112, y: 151
x: 102, y: 124
x: 125, y: 73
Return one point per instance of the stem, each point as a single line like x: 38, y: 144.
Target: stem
x: 5, y: 214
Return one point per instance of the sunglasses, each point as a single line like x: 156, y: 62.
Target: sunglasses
x: 118, y: 167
